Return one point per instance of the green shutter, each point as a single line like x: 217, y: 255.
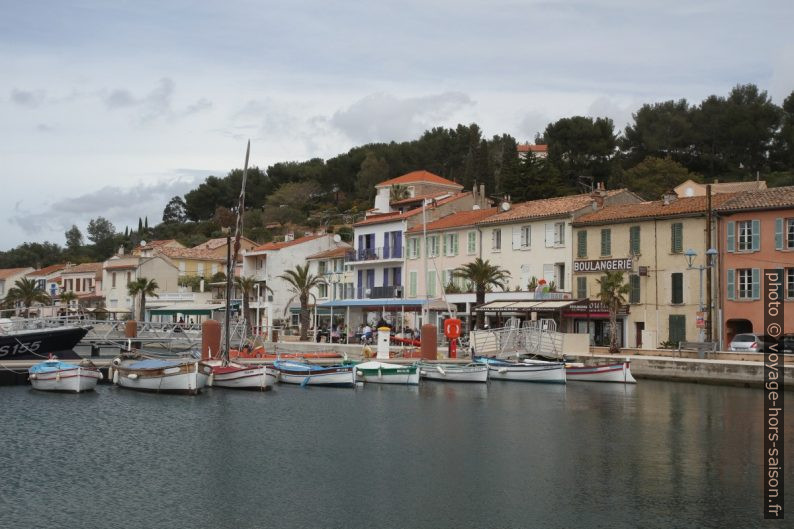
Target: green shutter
x: 677, y: 287
x: 756, y: 235
x: 606, y: 242
x: 581, y: 287
x: 731, y: 284
x: 778, y: 234
x: 634, y: 240
x: 412, y: 285
x: 634, y: 288
x: 431, y: 283
x: 730, y: 237
x: 756, y: 283
x: 581, y: 244
x: 677, y: 237
x: 472, y: 242
x: 676, y: 328
x: 455, y: 244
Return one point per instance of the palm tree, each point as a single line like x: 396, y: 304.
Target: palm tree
x: 482, y: 274
x: 398, y: 192
x: 68, y: 297
x: 247, y: 286
x: 27, y: 292
x: 301, y: 283
x: 144, y: 287
x: 612, y: 294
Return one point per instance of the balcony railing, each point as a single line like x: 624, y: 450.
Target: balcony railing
x: 373, y: 292
x: 375, y: 254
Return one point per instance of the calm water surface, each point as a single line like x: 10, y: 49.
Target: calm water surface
x: 440, y: 455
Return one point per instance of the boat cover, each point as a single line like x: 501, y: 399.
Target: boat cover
x: 51, y: 366
x: 152, y: 363
x: 307, y: 368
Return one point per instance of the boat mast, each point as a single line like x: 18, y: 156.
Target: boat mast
x: 238, y: 231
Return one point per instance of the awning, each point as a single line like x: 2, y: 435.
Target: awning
x: 193, y: 309
x: 389, y: 303
x: 544, y: 305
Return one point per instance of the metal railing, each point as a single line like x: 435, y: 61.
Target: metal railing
x: 374, y: 254
x: 538, y: 337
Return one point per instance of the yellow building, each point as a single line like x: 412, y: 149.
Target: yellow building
x: 192, y: 262
x: 647, y: 242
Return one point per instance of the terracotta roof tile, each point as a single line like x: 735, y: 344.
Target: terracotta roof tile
x: 83, y: 268
x: 773, y: 198
x: 286, y: 244
x: 417, y: 177
x: 653, y: 209
x: 199, y: 254
x: 339, y: 251
x: 156, y: 244
x: 47, y: 270
x: 214, y: 244
x: 396, y: 215
x: 545, y: 207
x: 456, y: 220
x: 526, y: 147
x: 416, y: 198
x: 5, y: 273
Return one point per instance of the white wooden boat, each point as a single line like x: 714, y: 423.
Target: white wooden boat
x: 181, y: 375
x: 382, y: 373
x: 54, y: 375
x: 455, y: 372
x: 526, y: 371
x: 241, y: 376
x: 619, y: 372
x: 291, y: 372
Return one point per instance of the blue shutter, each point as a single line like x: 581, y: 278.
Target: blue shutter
x: 385, y: 277
x: 756, y: 283
x: 778, y: 234
x: 730, y: 242
x: 756, y: 235
x: 731, y: 284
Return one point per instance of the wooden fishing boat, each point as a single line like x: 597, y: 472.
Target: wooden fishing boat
x: 260, y: 353
x: 54, y: 375
x: 526, y: 371
x: 180, y: 375
x: 241, y: 376
x: 619, y: 372
x: 383, y: 373
x: 292, y: 372
x: 454, y: 372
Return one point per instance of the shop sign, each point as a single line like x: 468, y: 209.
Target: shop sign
x: 603, y: 265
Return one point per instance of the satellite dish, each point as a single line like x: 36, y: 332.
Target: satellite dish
x: 337, y: 237
x: 504, y: 206
x: 143, y: 243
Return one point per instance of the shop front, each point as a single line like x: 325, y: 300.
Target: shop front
x: 592, y: 317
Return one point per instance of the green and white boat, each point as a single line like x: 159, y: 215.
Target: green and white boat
x: 383, y: 373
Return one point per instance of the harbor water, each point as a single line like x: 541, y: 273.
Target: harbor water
x: 500, y: 455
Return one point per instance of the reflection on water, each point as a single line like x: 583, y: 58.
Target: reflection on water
x: 438, y: 455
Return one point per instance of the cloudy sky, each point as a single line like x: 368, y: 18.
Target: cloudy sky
x: 112, y: 107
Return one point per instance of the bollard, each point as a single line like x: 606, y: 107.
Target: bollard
x: 131, y: 331
x: 383, y: 342
x: 210, y: 338
x: 429, y: 341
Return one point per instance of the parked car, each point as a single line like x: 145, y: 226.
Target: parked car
x: 749, y: 342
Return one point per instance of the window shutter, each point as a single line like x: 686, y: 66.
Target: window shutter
x: 606, y: 242
x: 778, y: 234
x: 412, y: 285
x: 731, y: 284
x: 549, y: 235
x: 677, y: 287
x: 455, y: 244
x: 431, y: 283
x: 581, y: 287
x: 634, y: 242
x: 472, y: 242
x: 756, y: 292
x: 756, y: 235
x: 676, y: 235
x: 634, y: 288
x: 581, y: 244
x: 730, y: 237
x: 516, y: 237
x: 446, y: 245
x: 676, y: 328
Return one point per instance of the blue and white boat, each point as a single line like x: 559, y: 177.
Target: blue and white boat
x: 179, y: 375
x: 526, y: 371
x: 54, y: 375
x: 291, y: 372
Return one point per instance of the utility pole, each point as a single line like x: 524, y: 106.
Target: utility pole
x: 709, y: 266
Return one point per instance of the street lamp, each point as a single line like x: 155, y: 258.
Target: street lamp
x: 690, y: 255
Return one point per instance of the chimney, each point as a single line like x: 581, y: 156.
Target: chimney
x: 484, y: 200
x: 121, y: 250
x: 598, y: 195
x: 669, y: 197
x: 290, y: 236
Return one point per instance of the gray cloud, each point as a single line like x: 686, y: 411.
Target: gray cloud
x: 384, y: 117
x: 120, y: 99
x: 158, y: 103
x: 43, y: 127
x: 28, y: 98
x: 532, y: 123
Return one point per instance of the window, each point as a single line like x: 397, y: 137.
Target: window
x: 413, y: 247
x: 559, y: 234
x: 214, y: 268
x: 181, y: 267
x: 200, y: 269
x: 321, y: 267
x: 634, y: 240
x: 322, y: 290
x: 790, y: 234
x: 634, y: 288
x: 744, y: 283
x: 581, y: 287
x: 581, y: 244
x: 432, y: 246
x: 676, y: 325
x: 431, y: 283
x: 129, y: 277
x: 677, y: 288
x: 451, y: 244
x: 606, y: 242
x: 744, y: 242
x: 676, y: 237
x: 472, y: 243
x: 113, y: 279
x: 526, y: 236
x: 412, y: 284
x: 496, y: 240
x: 790, y: 283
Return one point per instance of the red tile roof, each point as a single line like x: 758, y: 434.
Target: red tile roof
x: 5, y: 273
x: 286, y: 244
x: 420, y: 177
x: 339, y: 251
x: 456, y: 220
x: 545, y: 207
x: 198, y: 254
x: 680, y: 207
x: 47, y: 270
x: 396, y: 215
x: 773, y: 198
x: 214, y: 244
x: 526, y: 147
x: 156, y: 244
x: 83, y: 268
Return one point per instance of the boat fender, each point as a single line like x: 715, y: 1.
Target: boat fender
x: 116, y: 362
x: 503, y: 370
x: 360, y: 373
x: 440, y: 370
x: 211, y: 380
x: 32, y: 376
x: 115, y: 377
x: 101, y: 376
x: 132, y: 376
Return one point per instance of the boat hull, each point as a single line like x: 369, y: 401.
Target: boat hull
x: 75, y: 380
x: 454, y: 373
x: 261, y: 378
x: 188, y: 378
x: 36, y: 344
x: 337, y: 378
x: 526, y: 371
x: 404, y: 375
x: 615, y: 373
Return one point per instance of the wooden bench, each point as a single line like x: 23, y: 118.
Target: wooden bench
x: 702, y: 348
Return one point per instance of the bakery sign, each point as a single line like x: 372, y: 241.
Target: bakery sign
x: 603, y: 265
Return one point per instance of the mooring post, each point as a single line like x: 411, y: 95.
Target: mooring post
x: 210, y: 338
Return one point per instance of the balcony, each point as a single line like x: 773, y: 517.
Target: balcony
x: 374, y: 292
x: 375, y: 254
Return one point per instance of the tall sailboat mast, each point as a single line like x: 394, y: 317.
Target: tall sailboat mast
x: 230, y: 263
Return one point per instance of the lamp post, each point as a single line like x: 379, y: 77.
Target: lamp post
x: 258, y: 302
x: 690, y: 255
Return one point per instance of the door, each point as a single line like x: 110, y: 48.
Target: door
x: 639, y: 326
x: 677, y: 328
